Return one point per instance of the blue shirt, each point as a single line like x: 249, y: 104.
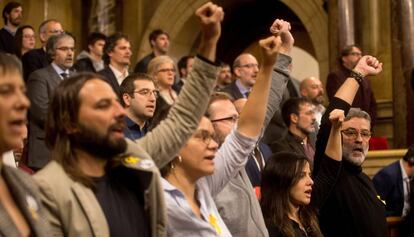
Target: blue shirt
x: 243, y: 90
x: 133, y: 131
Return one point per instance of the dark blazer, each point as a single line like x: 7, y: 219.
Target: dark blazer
x: 288, y: 143
x: 251, y: 167
x: 40, y: 87
x: 111, y: 79
x: 233, y: 91
x: 389, y: 184
x: 33, y: 60
x: 84, y: 65
x: 7, y: 43
x: 142, y: 65
x: 26, y: 195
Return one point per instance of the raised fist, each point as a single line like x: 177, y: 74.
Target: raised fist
x: 210, y: 16
x: 270, y: 48
x: 368, y: 66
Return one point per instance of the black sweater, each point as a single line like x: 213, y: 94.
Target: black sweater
x: 351, y: 206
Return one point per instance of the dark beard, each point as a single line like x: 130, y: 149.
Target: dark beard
x: 97, y: 145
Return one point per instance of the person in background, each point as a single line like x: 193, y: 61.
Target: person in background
x: 90, y: 60
x: 12, y: 17
x: 25, y: 40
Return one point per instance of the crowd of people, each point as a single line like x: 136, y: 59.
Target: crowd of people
x: 200, y: 148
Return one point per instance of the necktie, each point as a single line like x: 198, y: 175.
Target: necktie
x: 64, y: 75
x: 246, y: 94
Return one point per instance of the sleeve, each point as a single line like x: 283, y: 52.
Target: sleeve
x: 325, y: 180
x: 325, y: 129
x: 280, y: 77
x: 382, y: 184
x: 332, y: 85
x: 230, y: 158
x: 164, y: 141
x: 39, y: 98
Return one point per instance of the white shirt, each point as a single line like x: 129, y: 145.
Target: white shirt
x: 119, y: 75
x: 406, y: 188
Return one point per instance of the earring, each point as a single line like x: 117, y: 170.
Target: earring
x: 180, y: 159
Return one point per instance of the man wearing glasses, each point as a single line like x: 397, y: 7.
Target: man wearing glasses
x: 245, y: 68
x: 139, y: 96
x: 40, y: 87
x: 364, y: 99
x: 37, y: 58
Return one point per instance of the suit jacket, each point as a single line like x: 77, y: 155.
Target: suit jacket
x: 40, y: 87
x: 233, y: 91
x: 33, y: 60
x: 7, y: 42
x: 160, y: 145
x: 26, y: 195
x: 252, y: 170
x: 389, y: 184
x: 111, y: 79
x: 142, y: 65
x: 84, y: 65
x: 288, y: 143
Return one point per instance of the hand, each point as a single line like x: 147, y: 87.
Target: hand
x: 368, y: 66
x: 270, y: 48
x: 210, y: 16
x: 336, y: 117
x: 282, y: 28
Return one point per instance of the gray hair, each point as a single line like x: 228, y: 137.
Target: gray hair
x: 357, y: 113
x: 52, y: 42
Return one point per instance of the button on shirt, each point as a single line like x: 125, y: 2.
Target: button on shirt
x: 133, y: 131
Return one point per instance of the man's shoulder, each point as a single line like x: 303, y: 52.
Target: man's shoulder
x: 54, y: 175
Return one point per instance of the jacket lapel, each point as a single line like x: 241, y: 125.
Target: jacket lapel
x: 27, y: 202
x: 92, y: 209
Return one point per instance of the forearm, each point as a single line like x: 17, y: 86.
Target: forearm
x: 334, y: 145
x: 207, y: 49
x: 348, y: 90
x: 253, y: 114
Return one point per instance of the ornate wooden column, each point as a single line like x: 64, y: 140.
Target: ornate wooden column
x: 346, y: 23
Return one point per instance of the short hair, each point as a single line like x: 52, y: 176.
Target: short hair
x: 93, y: 37
x: 357, y: 113
x: 18, y: 39
x: 155, y: 63
x: 9, y: 64
x: 42, y: 27
x: 291, y: 106
x: 127, y: 86
x: 155, y: 33
x: 409, y: 156
x: 62, y: 116
x: 53, y: 40
x: 182, y: 63
x: 9, y: 8
x: 111, y: 43
x: 346, y: 51
x: 216, y: 96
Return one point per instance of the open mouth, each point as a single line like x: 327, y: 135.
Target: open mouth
x: 308, y: 193
x: 358, y: 149
x: 209, y: 157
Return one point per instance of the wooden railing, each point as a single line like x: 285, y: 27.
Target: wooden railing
x: 376, y: 160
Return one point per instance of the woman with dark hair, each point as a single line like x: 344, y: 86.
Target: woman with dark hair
x: 25, y: 40
x: 287, y: 188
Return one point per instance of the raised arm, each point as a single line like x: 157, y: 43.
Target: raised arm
x: 280, y: 74
x: 164, y: 142
x: 334, y: 146
x: 343, y: 99
x: 253, y: 114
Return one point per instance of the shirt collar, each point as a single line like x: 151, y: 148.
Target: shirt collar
x: 59, y: 70
x: 119, y: 75
x: 242, y: 89
x: 130, y: 123
x: 403, y: 173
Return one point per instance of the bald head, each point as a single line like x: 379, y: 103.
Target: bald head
x: 312, y: 89
x: 246, y: 69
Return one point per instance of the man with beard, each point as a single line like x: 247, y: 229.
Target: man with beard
x: 312, y: 89
x: 224, y: 77
x: 40, y: 87
x: 364, y: 99
x: 12, y: 17
x: 160, y: 43
x: 299, y: 116
x: 245, y: 68
x: 101, y: 184
x: 139, y: 96
x: 352, y: 206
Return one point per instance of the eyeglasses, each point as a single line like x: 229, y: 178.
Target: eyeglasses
x: 66, y: 49
x: 167, y: 70
x: 148, y: 92
x: 353, y: 133
x: 355, y: 54
x: 29, y: 36
x: 249, y: 65
x: 232, y: 118
x: 56, y: 32
x: 204, y: 135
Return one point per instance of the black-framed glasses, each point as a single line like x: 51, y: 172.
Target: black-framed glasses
x: 167, y: 70
x: 232, y: 118
x: 353, y: 133
x: 66, y: 49
x: 148, y: 92
x: 355, y: 54
x: 204, y: 135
